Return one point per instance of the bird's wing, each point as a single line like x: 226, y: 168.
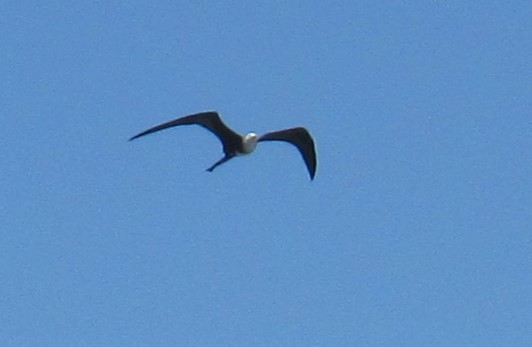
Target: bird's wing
x: 209, y: 120
x: 300, y: 138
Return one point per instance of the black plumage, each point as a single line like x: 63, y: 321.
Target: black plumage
x: 235, y: 144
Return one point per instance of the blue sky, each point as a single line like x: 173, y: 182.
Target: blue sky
x: 415, y: 232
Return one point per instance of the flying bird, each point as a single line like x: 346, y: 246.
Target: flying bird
x: 235, y: 144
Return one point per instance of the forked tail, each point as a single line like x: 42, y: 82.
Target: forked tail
x: 220, y: 162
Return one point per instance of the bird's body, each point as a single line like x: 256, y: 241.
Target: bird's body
x: 235, y: 144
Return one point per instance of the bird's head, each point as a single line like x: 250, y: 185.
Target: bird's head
x: 250, y: 142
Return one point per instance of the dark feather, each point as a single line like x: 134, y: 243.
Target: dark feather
x: 209, y: 120
x: 300, y: 138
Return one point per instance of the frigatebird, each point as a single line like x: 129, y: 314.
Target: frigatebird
x: 235, y: 144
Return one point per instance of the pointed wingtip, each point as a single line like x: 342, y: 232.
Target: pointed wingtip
x: 133, y: 137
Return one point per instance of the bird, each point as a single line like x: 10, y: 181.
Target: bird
x: 235, y: 144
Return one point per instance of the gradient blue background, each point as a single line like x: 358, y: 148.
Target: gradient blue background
x: 415, y: 232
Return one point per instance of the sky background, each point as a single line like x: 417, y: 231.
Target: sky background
x: 415, y: 232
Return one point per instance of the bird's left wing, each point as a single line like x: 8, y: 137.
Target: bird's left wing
x: 299, y: 137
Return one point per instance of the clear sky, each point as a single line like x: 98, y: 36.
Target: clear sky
x: 415, y: 232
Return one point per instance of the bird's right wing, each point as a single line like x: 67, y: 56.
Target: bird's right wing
x: 210, y: 120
